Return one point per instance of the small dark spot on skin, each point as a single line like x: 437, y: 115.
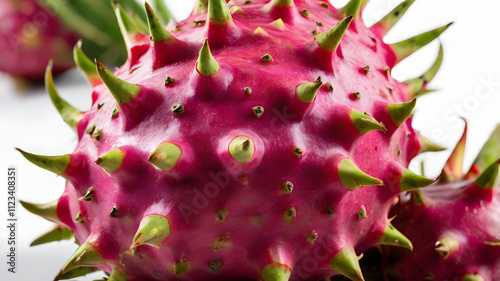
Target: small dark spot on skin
x: 178, y: 109
x: 396, y: 13
x: 248, y: 90
x: 329, y: 210
x: 99, y: 106
x: 169, y: 80
x: 245, y: 145
x: 319, y: 23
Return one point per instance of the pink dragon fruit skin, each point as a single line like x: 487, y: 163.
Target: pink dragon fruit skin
x: 29, y: 38
x: 216, y: 152
x: 455, y: 223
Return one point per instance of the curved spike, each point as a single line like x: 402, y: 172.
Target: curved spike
x: 153, y: 230
x: 392, y: 237
x: 57, y: 234
x: 55, y: 164
x: 47, y: 211
x: 218, y: 12
x: 418, y: 85
x: 453, y: 169
x: 365, y: 123
x: 489, y: 177
x: 346, y: 262
x: 353, y: 8
x: 394, y: 16
x: 128, y: 27
x: 123, y: 91
x: 70, y: 115
x: 207, y: 65
x: 163, y: 11
x: 77, y: 272
x: 85, y: 256
x: 236, y: 10
x: 85, y: 64
x: 156, y: 29
x: 111, y: 161
x: 241, y: 149
x: 399, y: 112
x: 490, y: 151
x: 473, y: 277
x: 410, y: 180
x: 200, y: 7
x: 407, y: 47
x: 165, y: 156
x: 330, y: 39
x: 275, y: 272
x: 446, y: 245
x: 351, y: 177
x: 427, y: 145
x: 306, y: 92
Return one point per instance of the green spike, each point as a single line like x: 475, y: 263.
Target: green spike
x: 311, y: 238
x: 56, y: 234
x: 352, y: 8
x: 330, y: 39
x: 473, y: 277
x: 218, y: 12
x: 351, y: 177
x: 89, y: 195
x: 215, y: 266
x: 117, y: 275
x: 207, y: 65
x: 55, y: 164
x: 79, y: 218
x: 418, y: 85
x: 399, y: 112
x: 156, y: 29
x: 490, y: 152
x: 69, y: 114
x: 275, y: 272
x: 391, y: 236
x: 407, y: 47
x: 153, y: 230
x: 85, y: 256
x: 123, y: 91
x: 395, y: 15
x: 362, y: 213
x: 427, y: 145
x: 446, y: 245
x: 489, y: 177
x: 306, y: 92
x: 77, y: 272
x: 287, y: 187
x: 258, y: 111
x: 84, y: 63
x: 163, y: 11
x: 181, y: 268
x: 114, y: 212
x: 111, y: 161
x: 47, y: 211
x: 297, y: 152
x: 241, y: 149
x: 289, y: 215
x: 200, y: 7
x: 346, y: 262
x: 410, y: 180
x: 165, y: 156
x: 127, y: 26
x: 365, y: 123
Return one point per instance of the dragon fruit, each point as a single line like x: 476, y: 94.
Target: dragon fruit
x: 29, y: 38
x: 460, y: 219
x: 254, y: 140
x: 32, y: 32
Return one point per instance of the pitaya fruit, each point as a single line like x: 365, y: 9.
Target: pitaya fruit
x: 254, y: 140
x: 455, y: 223
x: 29, y: 38
x: 32, y: 32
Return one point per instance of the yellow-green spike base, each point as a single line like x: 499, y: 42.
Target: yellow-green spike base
x: 275, y: 272
x: 153, y: 230
x: 165, y: 156
x: 111, y: 161
x: 391, y: 236
x: 346, y: 262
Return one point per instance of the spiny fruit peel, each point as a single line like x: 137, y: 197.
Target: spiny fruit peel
x: 220, y: 152
x: 460, y: 216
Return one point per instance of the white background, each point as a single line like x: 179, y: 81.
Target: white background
x: 472, y: 56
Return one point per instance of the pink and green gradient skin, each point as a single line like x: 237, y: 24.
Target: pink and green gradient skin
x: 29, y: 38
x: 225, y: 212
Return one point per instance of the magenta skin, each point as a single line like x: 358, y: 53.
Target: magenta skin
x: 29, y: 38
x: 464, y: 210
x: 208, y: 179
